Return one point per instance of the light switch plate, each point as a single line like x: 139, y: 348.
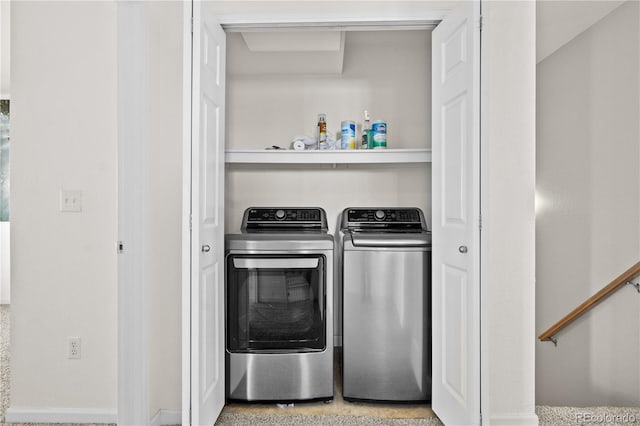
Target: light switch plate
x: 70, y: 200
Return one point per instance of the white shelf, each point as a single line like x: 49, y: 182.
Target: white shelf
x: 286, y: 156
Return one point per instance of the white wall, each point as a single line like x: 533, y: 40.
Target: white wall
x: 588, y: 232
x: 73, y: 287
x: 63, y: 113
x: 5, y: 82
x: 5, y: 42
x: 560, y: 21
x: 5, y: 263
x: 507, y: 204
x: 387, y: 73
x: 163, y: 209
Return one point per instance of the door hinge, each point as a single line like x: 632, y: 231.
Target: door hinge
x: 480, y: 22
x: 192, y: 25
x: 120, y: 247
x: 190, y: 222
x: 480, y: 222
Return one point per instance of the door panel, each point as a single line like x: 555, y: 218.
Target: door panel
x: 453, y: 299
x: 454, y: 51
x: 208, y: 349
x: 453, y: 185
x: 207, y: 368
x: 456, y: 232
x: 209, y: 167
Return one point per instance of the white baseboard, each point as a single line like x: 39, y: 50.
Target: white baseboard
x: 60, y: 415
x: 167, y: 417
x: 514, y: 419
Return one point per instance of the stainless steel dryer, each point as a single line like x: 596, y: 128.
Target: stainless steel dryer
x: 386, y: 270
x: 279, y: 306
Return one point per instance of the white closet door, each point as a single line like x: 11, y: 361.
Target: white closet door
x: 207, y: 360
x: 456, y: 211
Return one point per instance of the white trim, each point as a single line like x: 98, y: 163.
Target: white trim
x: 133, y: 333
x: 186, y: 214
x: 485, y: 402
x: 361, y: 14
x: 258, y: 20
x: 332, y: 26
x: 60, y: 415
x: 514, y: 419
x: 166, y: 417
x: 5, y: 263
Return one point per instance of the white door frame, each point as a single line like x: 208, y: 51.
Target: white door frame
x: 456, y: 217
x: 129, y: 347
x: 244, y: 23
x: 186, y: 207
x: 133, y: 331
x: 133, y: 385
x: 203, y: 309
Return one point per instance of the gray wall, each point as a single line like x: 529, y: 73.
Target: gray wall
x: 588, y: 210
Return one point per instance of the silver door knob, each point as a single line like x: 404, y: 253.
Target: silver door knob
x: 462, y: 249
x: 206, y: 248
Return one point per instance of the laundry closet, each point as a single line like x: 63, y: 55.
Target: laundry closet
x: 270, y: 83
x: 278, y: 82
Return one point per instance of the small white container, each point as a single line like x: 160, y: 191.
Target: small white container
x: 348, y: 135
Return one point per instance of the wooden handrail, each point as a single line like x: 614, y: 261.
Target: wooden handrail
x: 607, y: 291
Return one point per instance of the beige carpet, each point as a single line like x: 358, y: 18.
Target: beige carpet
x: 5, y: 358
x: 336, y: 408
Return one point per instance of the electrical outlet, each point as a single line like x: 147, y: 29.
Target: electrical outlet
x: 74, y: 347
x: 70, y: 201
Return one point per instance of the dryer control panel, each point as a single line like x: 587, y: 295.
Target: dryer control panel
x: 265, y: 219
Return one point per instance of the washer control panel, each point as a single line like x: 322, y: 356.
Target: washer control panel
x: 384, y: 215
x: 399, y: 218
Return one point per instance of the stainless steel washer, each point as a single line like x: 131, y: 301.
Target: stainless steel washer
x: 279, y: 306
x: 386, y: 270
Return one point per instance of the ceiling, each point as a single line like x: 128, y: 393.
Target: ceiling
x: 560, y: 21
